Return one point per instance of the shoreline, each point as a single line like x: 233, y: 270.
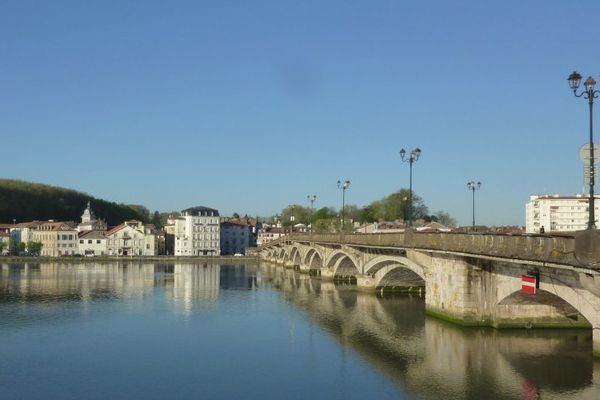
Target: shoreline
x: 85, y: 260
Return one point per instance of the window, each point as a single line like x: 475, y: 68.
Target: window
x: 81, y: 241
x: 90, y: 241
x: 98, y: 242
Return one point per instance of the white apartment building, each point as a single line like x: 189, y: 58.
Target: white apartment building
x: 197, y: 232
x: 558, y: 213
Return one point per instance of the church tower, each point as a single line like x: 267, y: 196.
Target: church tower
x: 88, y: 215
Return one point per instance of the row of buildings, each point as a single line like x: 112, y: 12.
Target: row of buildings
x: 197, y: 231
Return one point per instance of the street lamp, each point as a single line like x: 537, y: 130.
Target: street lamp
x: 311, y: 198
x: 343, y: 185
x: 292, y: 219
x: 590, y: 94
x: 413, y: 156
x: 473, y: 186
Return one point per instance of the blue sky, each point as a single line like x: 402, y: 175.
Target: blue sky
x: 248, y: 106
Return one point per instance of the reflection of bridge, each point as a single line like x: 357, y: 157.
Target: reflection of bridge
x: 437, y: 359
x: 469, y: 279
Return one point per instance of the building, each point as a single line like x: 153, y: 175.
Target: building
x: 169, y: 229
x: 92, y: 243
x: 89, y: 222
x: 131, y: 238
x: 57, y: 238
x: 4, y: 243
x: 197, y: 232
x: 21, y: 233
x: 235, y: 237
x: 267, y: 234
x: 558, y: 213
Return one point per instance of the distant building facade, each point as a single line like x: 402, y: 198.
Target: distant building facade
x: 267, y: 234
x: 92, y: 243
x: 131, y: 238
x: 558, y: 213
x: 57, y: 238
x: 235, y: 237
x: 197, y: 232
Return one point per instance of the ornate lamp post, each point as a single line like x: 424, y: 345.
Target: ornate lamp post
x: 292, y: 219
x: 412, y: 157
x: 311, y: 198
x: 590, y: 94
x: 343, y: 185
x: 473, y: 186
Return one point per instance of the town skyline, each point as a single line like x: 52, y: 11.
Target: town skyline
x: 227, y: 105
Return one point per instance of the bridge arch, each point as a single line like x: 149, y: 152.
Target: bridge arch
x: 558, y: 306
x: 395, y: 271
x: 313, y: 259
x: 342, y: 263
x: 281, y: 256
x: 295, y: 255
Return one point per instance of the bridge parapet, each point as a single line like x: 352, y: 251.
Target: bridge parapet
x: 540, y: 248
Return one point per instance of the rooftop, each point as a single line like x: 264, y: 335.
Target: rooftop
x: 201, y: 211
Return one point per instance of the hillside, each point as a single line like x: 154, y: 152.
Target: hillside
x: 27, y: 201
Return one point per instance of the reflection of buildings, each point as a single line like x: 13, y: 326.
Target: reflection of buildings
x: 237, y: 277
x: 195, y: 283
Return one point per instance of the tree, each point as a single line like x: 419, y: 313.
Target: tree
x: 34, y: 248
x: 21, y: 247
x: 141, y: 210
x: 236, y: 215
x: 366, y: 215
x: 444, y: 218
x: 323, y: 213
x: 300, y: 213
x: 396, y: 206
x: 156, y: 220
x: 351, y: 212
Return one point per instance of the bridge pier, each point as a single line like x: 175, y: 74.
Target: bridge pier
x: 596, y: 340
x: 365, y: 282
x: 327, y: 274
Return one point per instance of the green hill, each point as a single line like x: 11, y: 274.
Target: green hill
x: 27, y: 201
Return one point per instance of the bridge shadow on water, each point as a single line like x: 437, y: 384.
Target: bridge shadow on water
x: 437, y: 359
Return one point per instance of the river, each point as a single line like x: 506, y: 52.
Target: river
x: 208, y: 331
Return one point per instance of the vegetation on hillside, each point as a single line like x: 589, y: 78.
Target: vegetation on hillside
x: 25, y: 201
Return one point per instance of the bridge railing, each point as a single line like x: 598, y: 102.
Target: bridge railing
x: 542, y: 248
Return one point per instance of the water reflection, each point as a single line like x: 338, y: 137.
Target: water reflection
x: 188, y: 285
x: 439, y: 360
x: 426, y: 357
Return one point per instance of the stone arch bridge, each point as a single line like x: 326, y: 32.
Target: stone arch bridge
x: 471, y: 279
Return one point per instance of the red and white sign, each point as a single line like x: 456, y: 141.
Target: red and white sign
x: 529, y: 284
